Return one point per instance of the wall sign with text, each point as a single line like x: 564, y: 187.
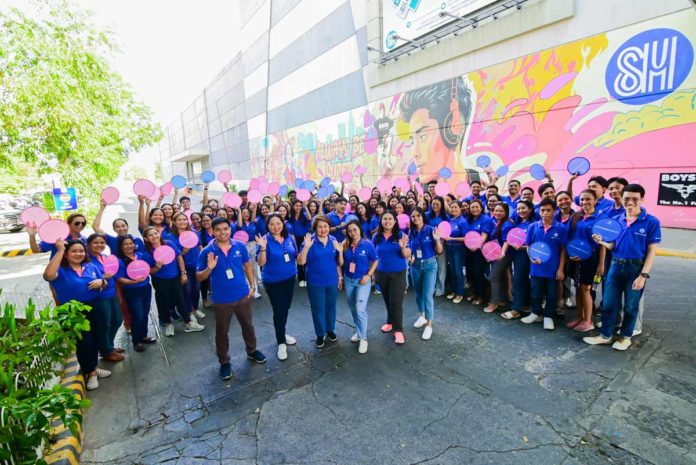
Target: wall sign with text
x: 677, y: 189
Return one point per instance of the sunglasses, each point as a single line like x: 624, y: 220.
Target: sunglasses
x: 79, y: 223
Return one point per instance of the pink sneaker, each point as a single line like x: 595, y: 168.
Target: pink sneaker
x: 399, y: 337
x: 573, y: 323
x: 386, y: 328
x: 584, y: 327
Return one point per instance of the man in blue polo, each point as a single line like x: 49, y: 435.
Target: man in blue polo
x: 339, y: 219
x: 226, y: 262
x: 599, y: 185
x: 633, y: 254
x: 545, y: 275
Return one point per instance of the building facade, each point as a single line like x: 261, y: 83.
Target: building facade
x: 389, y: 88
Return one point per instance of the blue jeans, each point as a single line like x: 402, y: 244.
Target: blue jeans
x: 322, y: 300
x: 424, y: 274
x: 139, y: 300
x: 620, y: 295
x: 520, y: 280
x: 441, y: 261
x: 544, y: 287
x: 108, y: 319
x: 357, y: 296
x: 192, y: 289
x: 455, y: 261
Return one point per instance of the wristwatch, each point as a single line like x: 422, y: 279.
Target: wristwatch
x: 645, y: 275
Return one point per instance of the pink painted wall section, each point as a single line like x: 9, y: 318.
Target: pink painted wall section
x: 624, y: 100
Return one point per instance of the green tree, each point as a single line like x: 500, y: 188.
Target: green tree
x: 62, y: 108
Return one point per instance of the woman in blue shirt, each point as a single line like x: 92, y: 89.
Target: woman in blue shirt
x: 248, y: 222
x: 476, y: 265
x: 136, y: 292
x: 73, y: 277
x: 437, y: 215
x: 120, y: 227
x: 500, y: 267
x: 393, y: 252
x: 359, y: 265
x: 206, y: 235
x: 168, y: 280
x: 362, y: 211
x: 456, y: 252
x: 322, y: 256
x: 425, y: 244
x: 277, y: 255
x: 301, y: 224
x: 108, y: 311
x: 521, y: 284
x: 180, y: 224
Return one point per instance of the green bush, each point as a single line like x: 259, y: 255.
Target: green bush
x: 31, y: 353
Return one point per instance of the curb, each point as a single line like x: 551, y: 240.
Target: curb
x: 675, y: 253
x: 66, y: 448
x: 15, y: 252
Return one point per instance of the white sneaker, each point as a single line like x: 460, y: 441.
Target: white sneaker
x: 420, y: 322
x: 193, y: 327
x: 362, y: 347
x: 303, y: 283
x: 198, y: 313
x: 92, y: 383
x: 439, y: 294
x: 532, y: 318
x: 102, y: 373
x: 548, y: 324
x: 355, y: 338
x: 257, y: 295
x: 289, y: 340
x: 169, y: 330
x: 597, y: 340
x: 282, y: 352
x: 193, y: 318
x: 427, y: 333
x: 622, y: 343
x: 636, y: 332
x: 568, y: 302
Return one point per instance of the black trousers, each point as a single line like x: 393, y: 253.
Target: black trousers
x: 86, y: 348
x: 393, y: 287
x: 280, y: 294
x: 169, y: 293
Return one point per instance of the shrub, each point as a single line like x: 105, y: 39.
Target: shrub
x: 31, y: 353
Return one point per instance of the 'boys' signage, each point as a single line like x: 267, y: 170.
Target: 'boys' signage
x: 649, y: 66
x: 677, y: 189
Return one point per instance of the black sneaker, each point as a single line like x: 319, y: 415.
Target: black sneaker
x: 139, y: 347
x: 257, y: 356
x: 332, y: 336
x: 320, y: 341
x: 226, y: 371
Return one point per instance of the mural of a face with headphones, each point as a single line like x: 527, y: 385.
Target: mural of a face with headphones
x: 438, y: 117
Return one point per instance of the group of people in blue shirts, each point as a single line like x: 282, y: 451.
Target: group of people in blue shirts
x: 382, y: 245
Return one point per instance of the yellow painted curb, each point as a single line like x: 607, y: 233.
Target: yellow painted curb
x: 67, y: 448
x: 675, y: 253
x: 16, y: 252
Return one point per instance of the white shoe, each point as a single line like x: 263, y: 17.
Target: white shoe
x: 355, y: 338
x: 193, y: 327
x: 92, y: 383
x: 193, y: 318
x: 548, y: 324
x: 532, y: 318
x: 169, y: 330
x: 257, y: 295
x: 597, y: 340
x: 282, y: 352
x: 198, y: 314
x: 420, y: 322
x: 303, y: 283
x: 427, y: 333
x: 289, y: 340
x: 636, y: 332
x: 439, y: 294
x: 568, y: 302
x: 622, y: 343
x: 102, y: 373
x: 362, y: 347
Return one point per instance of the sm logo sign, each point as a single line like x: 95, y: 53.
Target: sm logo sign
x: 649, y: 66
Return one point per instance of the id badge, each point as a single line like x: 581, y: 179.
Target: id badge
x: 229, y: 274
x: 351, y: 267
x: 286, y: 256
x: 419, y: 254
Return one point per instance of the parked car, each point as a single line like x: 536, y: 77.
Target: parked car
x: 9, y: 220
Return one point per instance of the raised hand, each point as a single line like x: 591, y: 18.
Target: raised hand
x: 212, y: 260
x: 261, y: 240
x: 437, y: 235
x: 60, y: 244
x: 95, y: 284
x: 308, y: 240
x: 403, y: 241
x: 32, y: 229
x: 102, y: 204
x: 337, y: 245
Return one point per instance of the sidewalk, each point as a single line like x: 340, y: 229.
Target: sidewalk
x: 678, y: 243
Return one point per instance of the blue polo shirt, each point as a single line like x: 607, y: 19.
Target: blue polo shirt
x: 422, y: 241
x: 252, y: 229
x: 340, y: 234
x: 260, y: 225
x: 170, y: 270
x: 471, y: 197
x: 633, y: 242
x: 289, y: 228
x: 366, y: 227
x: 389, y: 253
x: 459, y: 229
x: 502, y: 236
x: 276, y: 267
x: 434, y: 221
x: 321, y: 268
x: 363, y: 256
x: 301, y: 226
x: 482, y: 225
x: 374, y: 224
x: 122, y: 273
x: 112, y: 242
x: 110, y: 289
x: 602, y: 203
x: 558, y: 216
x: 556, y: 237
x: 46, y: 247
x: 583, y: 229
x: 226, y: 290
x: 508, y: 200
x: 613, y: 212
x: 71, y: 286
x: 190, y: 257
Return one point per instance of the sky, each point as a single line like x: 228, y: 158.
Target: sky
x: 171, y: 49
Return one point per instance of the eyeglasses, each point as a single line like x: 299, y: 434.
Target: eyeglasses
x: 79, y: 223
x: 631, y: 199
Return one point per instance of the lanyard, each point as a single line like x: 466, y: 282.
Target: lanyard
x: 354, y: 250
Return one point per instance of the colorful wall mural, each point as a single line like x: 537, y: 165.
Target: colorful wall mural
x: 624, y: 100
